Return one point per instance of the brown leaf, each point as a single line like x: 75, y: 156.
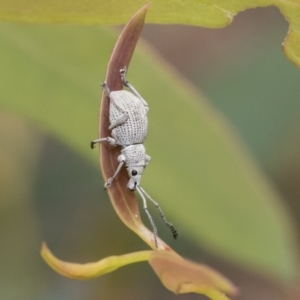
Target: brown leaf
x: 182, y: 276
x: 124, y: 201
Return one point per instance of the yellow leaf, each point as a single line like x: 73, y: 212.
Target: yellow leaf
x: 91, y: 270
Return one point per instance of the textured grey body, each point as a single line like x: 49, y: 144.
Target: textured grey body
x: 135, y: 155
x: 134, y: 129
x: 129, y: 125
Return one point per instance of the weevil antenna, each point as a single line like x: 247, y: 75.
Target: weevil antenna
x: 149, y: 216
x: 172, y: 228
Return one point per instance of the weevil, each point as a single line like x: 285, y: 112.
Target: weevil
x: 129, y: 126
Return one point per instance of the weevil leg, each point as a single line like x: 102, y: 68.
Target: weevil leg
x: 119, y: 121
x: 107, y: 185
x: 121, y: 160
x: 105, y: 87
x: 149, y: 216
x: 147, y: 159
x: 110, y: 180
x: 123, y: 117
x: 110, y: 140
x: 130, y: 87
x: 172, y: 228
x: 107, y: 91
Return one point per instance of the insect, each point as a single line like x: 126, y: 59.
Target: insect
x: 129, y: 125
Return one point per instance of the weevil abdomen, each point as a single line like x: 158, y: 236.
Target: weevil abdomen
x: 134, y: 129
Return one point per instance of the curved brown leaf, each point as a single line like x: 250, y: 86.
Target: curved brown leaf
x: 124, y: 201
x: 182, y: 276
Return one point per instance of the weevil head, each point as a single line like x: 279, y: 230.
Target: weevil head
x: 135, y: 174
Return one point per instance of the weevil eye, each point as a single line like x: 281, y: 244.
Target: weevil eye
x: 134, y: 172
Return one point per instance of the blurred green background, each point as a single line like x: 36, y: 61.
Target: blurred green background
x: 51, y: 186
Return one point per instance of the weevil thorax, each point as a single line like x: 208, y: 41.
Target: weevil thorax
x: 134, y: 130
x: 135, y: 160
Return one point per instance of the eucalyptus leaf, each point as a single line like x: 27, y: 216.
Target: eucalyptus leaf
x: 212, y: 13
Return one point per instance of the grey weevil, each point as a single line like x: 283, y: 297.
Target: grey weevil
x: 129, y: 125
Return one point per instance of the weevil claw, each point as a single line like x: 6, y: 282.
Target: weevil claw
x: 123, y: 76
x: 107, y: 185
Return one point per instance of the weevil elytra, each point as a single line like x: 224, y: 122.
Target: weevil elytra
x: 129, y: 126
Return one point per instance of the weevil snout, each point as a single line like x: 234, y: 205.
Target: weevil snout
x: 135, y: 174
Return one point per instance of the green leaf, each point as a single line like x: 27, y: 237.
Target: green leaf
x: 212, y: 13
x: 200, y: 173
